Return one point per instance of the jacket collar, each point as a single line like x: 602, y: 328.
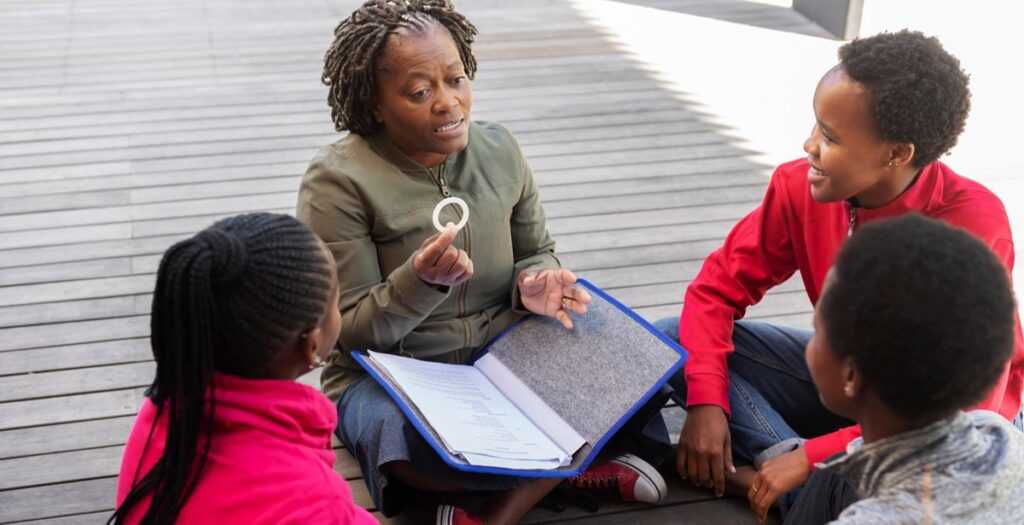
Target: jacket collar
x: 888, y: 462
x: 382, y: 146
x: 924, y: 194
x: 282, y: 409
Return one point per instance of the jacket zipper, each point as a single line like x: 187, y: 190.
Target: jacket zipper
x: 852, y: 215
x: 464, y: 288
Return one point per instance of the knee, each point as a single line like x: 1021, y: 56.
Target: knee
x: 668, y: 326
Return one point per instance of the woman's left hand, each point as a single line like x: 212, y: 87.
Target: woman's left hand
x: 552, y: 292
x: 777, y: 476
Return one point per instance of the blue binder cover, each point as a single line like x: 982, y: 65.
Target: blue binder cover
x: 595, y: 376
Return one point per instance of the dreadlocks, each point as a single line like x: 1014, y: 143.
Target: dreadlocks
x: 350, y: 64
x: 226, y: 300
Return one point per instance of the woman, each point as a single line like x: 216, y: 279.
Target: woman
x: 399, y: 76
x: 226, y: 434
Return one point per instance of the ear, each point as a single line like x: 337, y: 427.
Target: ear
x: 901, y: 154
x: 853, y: 383
x: 307, y: 346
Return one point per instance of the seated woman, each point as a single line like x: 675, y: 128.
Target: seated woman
x: 225, y: 434
x: 399, y: 76
x: 915, y: 325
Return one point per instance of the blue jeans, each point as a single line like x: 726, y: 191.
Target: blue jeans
x: 771, y: 393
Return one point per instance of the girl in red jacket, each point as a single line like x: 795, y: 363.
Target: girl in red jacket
x: 893, y: 105
x: 225, y: 434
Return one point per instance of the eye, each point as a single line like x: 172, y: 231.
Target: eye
x: 459, y: 80
x: 420, y: 95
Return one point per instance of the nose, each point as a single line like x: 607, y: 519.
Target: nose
x: 811, y: 143
x: 447, y: 100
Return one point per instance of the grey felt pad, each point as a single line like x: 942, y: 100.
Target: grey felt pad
x: 592, y: 375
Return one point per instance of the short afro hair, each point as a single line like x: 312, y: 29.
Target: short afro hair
x: 925, y: 311
x: 350, y: 64
x: 920, y: 92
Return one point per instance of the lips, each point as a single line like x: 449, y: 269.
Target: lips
x: 450, y: 126
x: 815, y: 175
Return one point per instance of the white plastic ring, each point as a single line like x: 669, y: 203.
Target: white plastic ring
x: 451, y: 200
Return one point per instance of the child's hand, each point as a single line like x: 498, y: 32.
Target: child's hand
x: 777, y: 476
x: 439, y: 263
x: 552, y: 293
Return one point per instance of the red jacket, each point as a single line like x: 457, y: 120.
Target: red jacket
x: 270, y: 458
x: 790, y: 231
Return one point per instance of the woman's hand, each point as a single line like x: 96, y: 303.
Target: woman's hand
x: 552, y: 293
x: 777, y: 476
x: 439, y: 263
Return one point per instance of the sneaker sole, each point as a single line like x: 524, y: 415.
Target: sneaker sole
x: 445, y: 515
x: 647, y: 471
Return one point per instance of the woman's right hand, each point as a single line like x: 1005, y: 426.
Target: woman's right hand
x: 439, y: 263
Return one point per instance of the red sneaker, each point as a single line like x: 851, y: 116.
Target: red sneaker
x: 452, y: 515
x: 624, y: 477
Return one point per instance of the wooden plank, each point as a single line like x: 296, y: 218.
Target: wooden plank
x: 77, y: 381
x: 21, y: 257
x: 309, y: 118
x: 58, y: 334
x: 70, y: 290
x: 57, y: 500
x: 44, y: 313
x: 58, y: 467
x: 75, y: 356
x: 65, y: 437
x: 583, y: 261
x: 346, y: 465
x: 308, y: 141
x: 95, y: 268
x: 725, y: 511
x: 68, y: 409
x: 91, y: 518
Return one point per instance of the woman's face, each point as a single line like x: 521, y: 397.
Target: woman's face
x: 847, y: 157
x: 423, y: 95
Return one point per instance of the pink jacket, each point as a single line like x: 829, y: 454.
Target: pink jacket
x: 270, y: 458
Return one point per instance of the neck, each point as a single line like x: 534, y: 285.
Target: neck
x: 879, y: 422
x: 888, y: 189
x: 427, y: 159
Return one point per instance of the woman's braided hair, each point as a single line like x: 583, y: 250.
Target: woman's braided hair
x: 228, y: 299
x: 350, y: 64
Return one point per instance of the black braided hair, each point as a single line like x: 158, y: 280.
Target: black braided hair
x: 350, y: 64
x: 227, y: 300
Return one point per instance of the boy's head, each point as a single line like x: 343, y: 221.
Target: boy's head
x: 915, y: 315
x: 893, y: 104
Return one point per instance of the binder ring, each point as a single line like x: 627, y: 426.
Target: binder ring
x: 451, y: 200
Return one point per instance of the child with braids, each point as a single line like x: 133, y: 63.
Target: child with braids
x: 225, y: 433
x: 399, y: 77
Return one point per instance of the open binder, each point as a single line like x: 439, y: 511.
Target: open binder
x: 577, y: 387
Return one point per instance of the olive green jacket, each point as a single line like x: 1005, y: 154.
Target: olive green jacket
x: 372, y: 205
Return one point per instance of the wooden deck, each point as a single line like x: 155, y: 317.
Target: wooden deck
x: 125, y: 126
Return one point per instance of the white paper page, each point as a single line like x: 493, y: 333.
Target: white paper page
x: 530, y: 404
x: 468, y: 411
x: 521, y: 464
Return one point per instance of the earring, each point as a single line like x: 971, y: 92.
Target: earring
x: 317, y: 363
x: 892, y: 163
x: 848, y: 389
